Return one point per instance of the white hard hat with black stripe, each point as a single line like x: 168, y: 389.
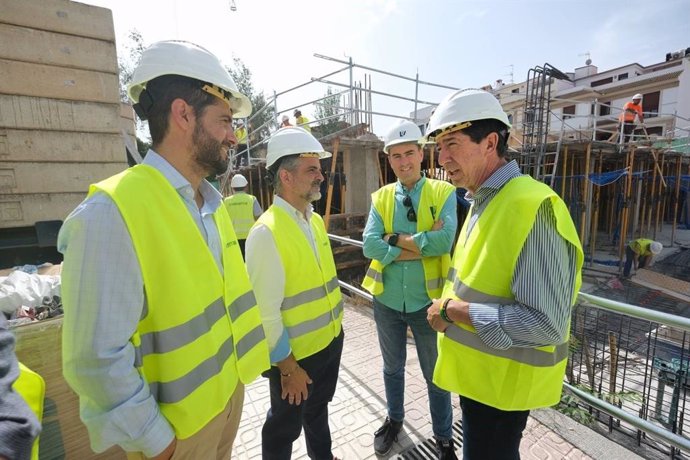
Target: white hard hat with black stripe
x: 192, y: 61
x: 460, y: 108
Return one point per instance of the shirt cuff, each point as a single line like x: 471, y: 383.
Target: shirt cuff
x: 281, y: 350
x: 391, y: 255
x: 485, y: 319
x: 159, y: 436
x: 421, y: 240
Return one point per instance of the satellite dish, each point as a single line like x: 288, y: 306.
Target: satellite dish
x: 588, y: 62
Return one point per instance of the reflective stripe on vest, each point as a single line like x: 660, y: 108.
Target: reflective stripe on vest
x: 518, y: 378
x: 434, y: 194
x: 312, y: 308
x: 189, y: 347
x: 240, y: 207
x: 32, y: 388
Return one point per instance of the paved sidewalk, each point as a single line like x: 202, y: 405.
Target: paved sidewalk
x: 358, y: 408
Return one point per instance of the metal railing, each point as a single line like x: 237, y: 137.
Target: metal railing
x: 643, y: 345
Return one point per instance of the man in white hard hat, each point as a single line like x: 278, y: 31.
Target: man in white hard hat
x: 161, y: 328
x: 631, y: 109
x: 243, y: 208
x: 285, y: 122
x: 640, y: 253
x: 291, y: 267
x: 505, y: 309
x: 408, y: 236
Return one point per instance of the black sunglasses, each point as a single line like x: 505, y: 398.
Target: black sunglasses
x: 411, y: 215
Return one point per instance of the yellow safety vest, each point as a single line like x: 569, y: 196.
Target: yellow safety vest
x: 32, y: 388
x: 240, y: 206
x: 200, y: 331
x: 640, y: 246
x: 302, y: 123
x: 483, y: 266
x: 434, y: 195
x: 241, y: 135
x: 312, y: 308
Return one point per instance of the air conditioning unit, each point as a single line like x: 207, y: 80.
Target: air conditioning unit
x: 673, y: 55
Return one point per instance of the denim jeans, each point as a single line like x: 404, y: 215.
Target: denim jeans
x: 490, y: 433
x: 391, y: 326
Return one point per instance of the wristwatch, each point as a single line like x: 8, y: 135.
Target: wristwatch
x: 393, y: 239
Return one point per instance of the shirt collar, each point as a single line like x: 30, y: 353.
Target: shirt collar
x: 415, y: 188
x: 212, y: 197
x: 496, y: 180
x: 281, y: 203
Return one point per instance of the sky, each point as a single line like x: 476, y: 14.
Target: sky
x: 458, y: 43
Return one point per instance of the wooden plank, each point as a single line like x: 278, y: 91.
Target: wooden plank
x: 40, y: 80
x: 39, y: 346
x: 23, y: 112
x: 50, y: 48
x: 60, y: 16
x: 28, y: 178
x: 26, y: 210
x: 21, y: 145
x: 672, y: 286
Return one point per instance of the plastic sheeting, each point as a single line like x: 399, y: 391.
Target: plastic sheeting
x: 21, y: 288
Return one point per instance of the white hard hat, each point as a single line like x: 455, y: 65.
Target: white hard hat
x: 403, y: 132
x: 286, y: 118
x: 188, y: 60
x: 461, y: 108
x: 637, y: 96
x: 238, y: 181
x: 655, y: 247
x: 293, y: 140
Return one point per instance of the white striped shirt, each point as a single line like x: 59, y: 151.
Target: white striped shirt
x: 542, y: 284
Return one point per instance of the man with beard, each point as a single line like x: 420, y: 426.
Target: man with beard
x: 504, y: 313
x: 161, y: 328
x: 291, y: 267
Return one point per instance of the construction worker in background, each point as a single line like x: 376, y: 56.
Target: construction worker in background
x: 285, y: 122
x: 241, y: 135
x: 243, y: 208
x: 301, y: 120
x: 161, y: 329
x: 640, y: 253
x: 631, y: 109
x: 21, y: 403
x: 291, y: 267
x: 408, y: 236
x: 505, y: 310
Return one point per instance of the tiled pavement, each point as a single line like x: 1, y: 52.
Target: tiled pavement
x: 358, y: 408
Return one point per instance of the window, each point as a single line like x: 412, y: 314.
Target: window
x: 568, y: 112
x: 603, y: 81
x: 515, y: 91
x: 623, y: 76
x: 650, y: 104
x: 605, y: 109
x: 510, y: 118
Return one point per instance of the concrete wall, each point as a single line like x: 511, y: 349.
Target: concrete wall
x: 61, y: 122
x: 360, y: 166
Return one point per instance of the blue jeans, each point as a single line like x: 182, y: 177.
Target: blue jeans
x: 391, y: 326
x: 490, y: 433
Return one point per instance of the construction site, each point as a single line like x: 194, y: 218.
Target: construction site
x: 63, y: 127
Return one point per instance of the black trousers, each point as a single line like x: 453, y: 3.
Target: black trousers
x: 285, y: 421
x: 628, y: 132
x: 490, y: 433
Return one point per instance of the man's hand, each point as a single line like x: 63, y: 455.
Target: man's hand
x: 433, y: 316
x: 167, y: 452
x: 294, y: 386
x: 438, y: 225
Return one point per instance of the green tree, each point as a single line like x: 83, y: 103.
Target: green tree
x: 261, y: 122
x: 328, y: 110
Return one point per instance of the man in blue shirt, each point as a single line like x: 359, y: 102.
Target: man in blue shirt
x: 408, y: 236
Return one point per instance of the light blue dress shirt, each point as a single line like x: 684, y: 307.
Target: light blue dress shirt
x: 103, y: 292
x: 403, y: 281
